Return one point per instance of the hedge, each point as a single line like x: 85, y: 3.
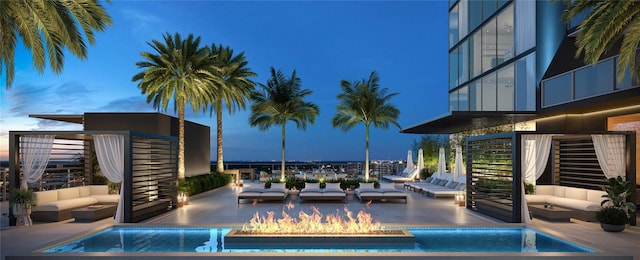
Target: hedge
x: 197, y: 184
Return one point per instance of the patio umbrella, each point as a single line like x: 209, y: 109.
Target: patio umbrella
x: 410, y: 165
x: 442, y: 167
x: 459, y: 169
x: 420, y: 160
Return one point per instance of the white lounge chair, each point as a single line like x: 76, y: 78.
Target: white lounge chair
x: 278, y: 191
x: 387, y: 191
x: 332, y: 191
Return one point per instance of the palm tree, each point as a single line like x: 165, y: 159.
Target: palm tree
x: 181, y: 71
x: 233, y: 90
x: 280, y: 101
x: 47, y: 28
x: 606, y: 24
x: 364, y: 102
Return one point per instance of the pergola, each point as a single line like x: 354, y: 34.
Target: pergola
x: 148, y: 165
x: 496, y: 166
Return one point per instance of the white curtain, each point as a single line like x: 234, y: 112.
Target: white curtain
x: 35, y: 151
x: 610, y: 153
x: 535, y: 154
x: 110, y: 153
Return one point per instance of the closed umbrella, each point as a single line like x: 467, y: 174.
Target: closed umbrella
x: 459, y: 169
x: 442, y: 167
x: 410, y: 166
x: 420, y: 160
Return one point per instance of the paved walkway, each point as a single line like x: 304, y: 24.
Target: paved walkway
x: 220, y: 207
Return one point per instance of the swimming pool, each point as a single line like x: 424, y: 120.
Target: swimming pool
x: 211, y: 239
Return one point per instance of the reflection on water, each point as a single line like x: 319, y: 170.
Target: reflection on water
x: 204, y: 239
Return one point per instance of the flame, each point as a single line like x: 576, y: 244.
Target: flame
x: 313, y: 223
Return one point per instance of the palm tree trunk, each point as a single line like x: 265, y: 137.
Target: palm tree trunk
x: 366, y: 154
x: 181, y: 139
x: 219, y: 157
x: 284, y: 126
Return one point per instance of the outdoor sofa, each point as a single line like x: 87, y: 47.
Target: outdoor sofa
x: 584, y: 202
x: 387, y: 191
x: 56, y: 205
x: 312, y: 191
x: 277, y: 191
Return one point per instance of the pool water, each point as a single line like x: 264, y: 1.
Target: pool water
x: 427, y: 239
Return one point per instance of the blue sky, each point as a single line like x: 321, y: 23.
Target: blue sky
x: 405, y: 42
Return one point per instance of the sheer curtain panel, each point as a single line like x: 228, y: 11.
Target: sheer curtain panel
x: 110, y: 153
x: 35, y: 151
x: 610, y: 154
x: 535, y: 154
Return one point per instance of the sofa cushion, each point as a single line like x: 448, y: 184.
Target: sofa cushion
x: 66, y: 204
x: 312, y: 185
x: 537, y: 199
x: 366, y: 186
x: 99, y: 189
x: 43, y: 197
x: 387, y: 186
x: 69, y: 193
x: 106, y: 199
x: 545, y: 189
x: 278, y: 186
x: 558, y: 191
x: 332, y: 186
x: 595, y: 195
x: 574, y: 204
x: 85, y: 191
x: 575, y: 193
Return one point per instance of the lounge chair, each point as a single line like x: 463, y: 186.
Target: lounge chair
x: 332, y: 191
x: 278, y: 191
x: 387, y: 191
x: 441, y: 180
x: 449, y: 190
x: 403, y: 177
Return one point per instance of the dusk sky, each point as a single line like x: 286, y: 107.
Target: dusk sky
x: 405, y: 42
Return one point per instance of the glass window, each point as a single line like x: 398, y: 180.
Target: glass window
x: 475, y: 14
x: 463, y: 21
x: 489, y: 92
x: 525, y: 25
x: 464, y: 62
x: 463, y: 99
x: 475, y: 54
x: 453, y: 68
x: 506, y: 88
x: 489, y: 54
x: 453, y: 101
x: 452, y: 2
x: 501, y: 3
x: 505, y: 34
x: 475, y: 96
x: 557, y: 90
x: 594, y: 80
x: 453, y: 26
x: 488, y: 8
x: 626, y: 81
x: 526, y: 83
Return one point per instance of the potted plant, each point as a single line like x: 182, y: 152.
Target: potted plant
x: 21, y: 201
x: 614, y: 214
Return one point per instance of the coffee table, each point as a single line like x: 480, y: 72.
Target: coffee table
x: 94, y: 212
x: 554, y: 213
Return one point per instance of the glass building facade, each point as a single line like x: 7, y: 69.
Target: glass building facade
x: 492, y: 56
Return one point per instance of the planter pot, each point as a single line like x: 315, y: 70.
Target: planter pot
x: 23, y: 214
x: 612, y: 228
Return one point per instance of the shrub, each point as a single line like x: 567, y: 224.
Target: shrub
x: 197, y: 184
x: 612, y: 215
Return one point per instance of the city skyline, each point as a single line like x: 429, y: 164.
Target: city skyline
x: 405, y: 42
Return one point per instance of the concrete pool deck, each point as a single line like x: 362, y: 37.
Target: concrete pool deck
x: 219, y: 207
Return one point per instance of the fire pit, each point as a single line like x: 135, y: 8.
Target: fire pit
x: 339, y: 231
